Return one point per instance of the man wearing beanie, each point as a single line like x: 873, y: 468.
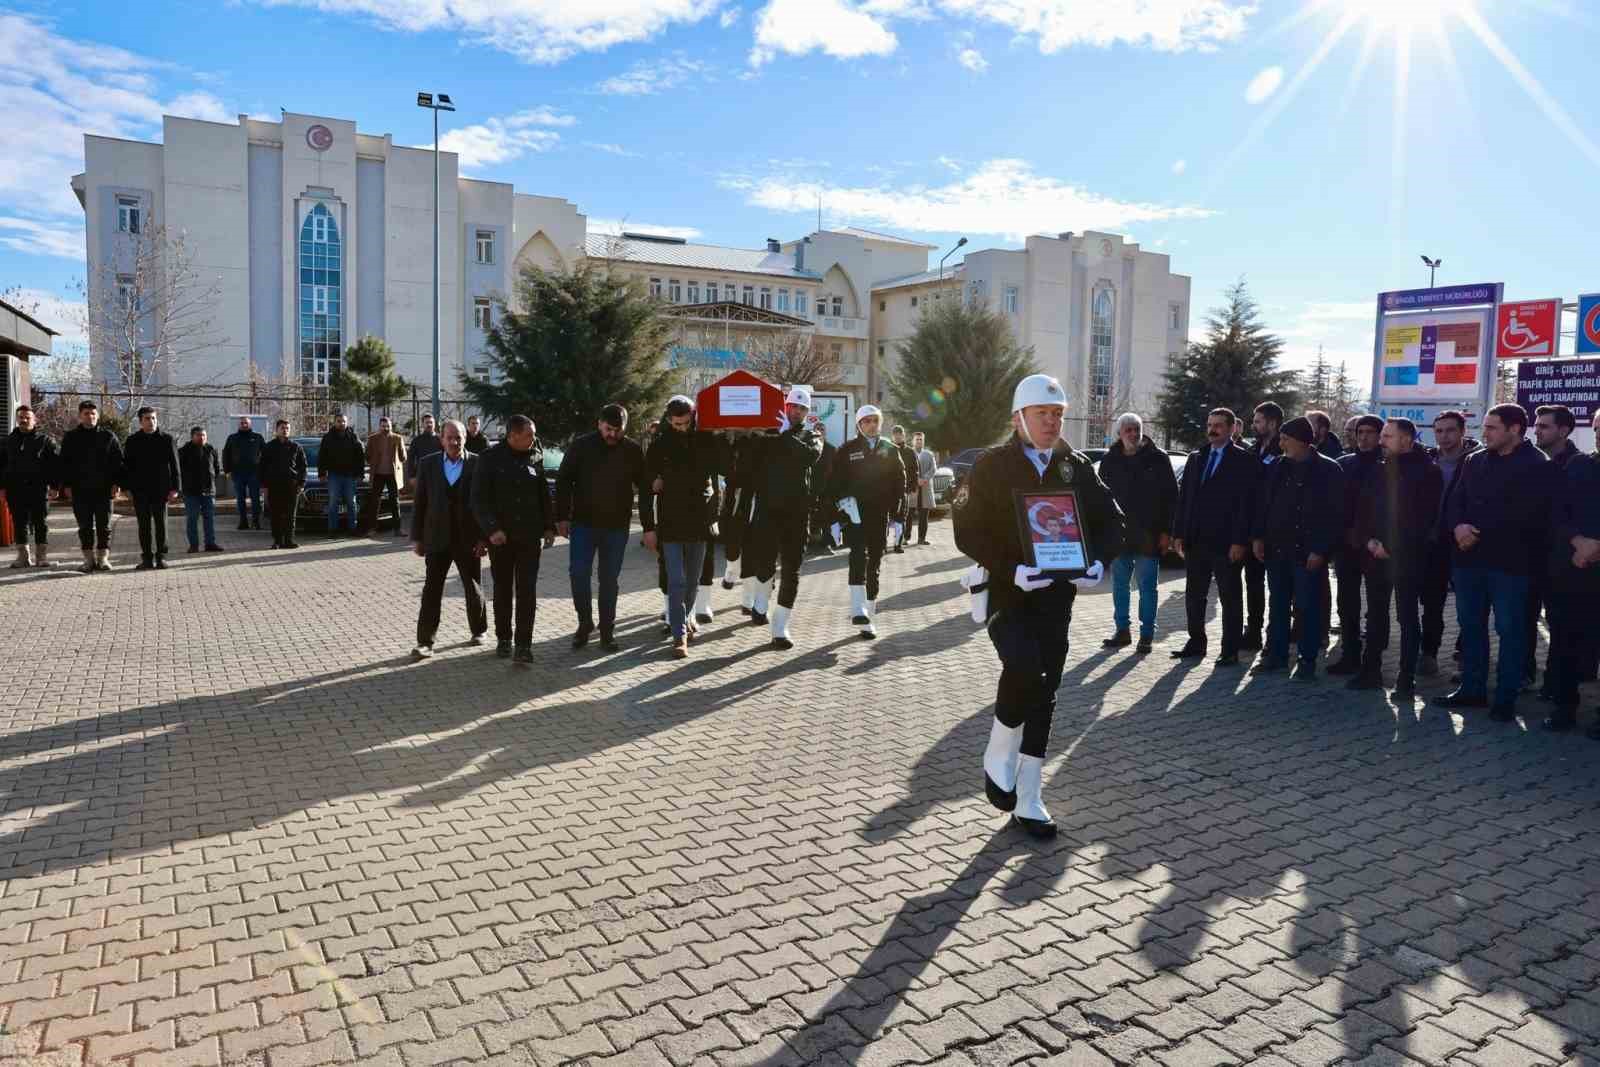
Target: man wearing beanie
x: 1028, y: 612
x: 1298, y: 520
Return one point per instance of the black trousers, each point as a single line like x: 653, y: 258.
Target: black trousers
x: 150, y: 509
x: 775, y: 540
x: 1255, y: 586
x: 28, y: 506
x: 1201, y: 565
x: 922, y: 524
x: 92, y: 509
x: 1380, y: 591
x: 1434, y: 589
x: 1407, y: 593
x: 1032, y: 642
x: 1570, y: 597
x: 283, y: 500
x: 515, y: 567
x: 867, y: 543
x: 470, y: 569
x: 1347, y: 571
x: 384, y: 487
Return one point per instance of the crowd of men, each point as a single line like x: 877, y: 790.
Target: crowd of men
x: 1511, y: 525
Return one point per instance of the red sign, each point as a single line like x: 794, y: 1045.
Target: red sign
x: 1526, y: 328
x: 741, y: 401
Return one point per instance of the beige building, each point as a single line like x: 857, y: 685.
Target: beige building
x: 1101, y: 314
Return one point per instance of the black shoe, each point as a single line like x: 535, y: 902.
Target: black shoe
x: 193, y: 549
x: 580, y: 638
x: 899, y: 550
x: 609, y: 643
x: 1503, y: 713
x: 161, y: 563
x: 1269, y: 666
x: 1190, y: 651
x: 998, y: 797
x: 727, y: 584
x: 826, y: 550
x: 782, y: 644
x: 1365, y: 680
x: 1563, y: 721
x: 859, y: 620
x: 214, y: 548
x: 1120, y: 639
x: 243, y: 525
x: 1460, y: 699
x: 291, y: 544
x: 1304, y: 671
x: 1405, y: 688
x: 1144, y: 647
x: 1335, y: 629
x: 924, y: 543
x: 758, y: 618
x: 277, y: 544
x: 1251, y: 642
x: 523, y: 655
x: 1349, y: 663
x: 1227, y: 659
x: 1041, y: 829
x: 502, y: 648
x: 145, y: 564
x: 255, y: 524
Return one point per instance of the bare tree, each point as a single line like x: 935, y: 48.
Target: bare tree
x: 150, y: 310
x: 795, y: 357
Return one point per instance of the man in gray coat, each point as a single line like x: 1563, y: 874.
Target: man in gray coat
x: 927, y: 464
x: 444, y: 532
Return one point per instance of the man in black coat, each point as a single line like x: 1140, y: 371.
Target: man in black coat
x: 445, y: 533
x: 778, y: 474
x: 199, y: 470
x: 423, y: 445
x: 1324, y: 440
x: 822, y: 506
x: 342, y: 460
x: 1451, y: 448
x: 91, y: 470
x: 511, y: 501
x: 1574, y: 570
x: 682, y: 465
x: 283, y: 474
x: 1353, y: 564
x: 1552, y: 431
x: 600, y: 477
x: 28, y: 468
x: 1296, y: 525
x: 241, y: 461
x: 477, y: 442
x: 1406, y: 507
x: 908, y: 460
x: 150, y: 473
x: 1212, y: 527
x: 1265, y: 423
x: 868, y: 483
x: 1140, y: 477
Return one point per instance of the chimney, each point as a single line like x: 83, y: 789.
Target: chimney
x: 773, y: 246
x: 800, y: 253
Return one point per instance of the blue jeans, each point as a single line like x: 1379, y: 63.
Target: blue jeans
x: 1478, y: 591
x: 1293, y: 584
x: 248, y: 484
x: 613, y: 547
x: 341, y: 491
x: 683, y: 576
x: 1123, y: 571
x: 193, y: 508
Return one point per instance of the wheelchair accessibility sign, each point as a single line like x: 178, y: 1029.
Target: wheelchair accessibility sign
x: 1526, y: 328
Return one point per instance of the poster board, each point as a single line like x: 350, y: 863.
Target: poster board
x: 1435, y: 346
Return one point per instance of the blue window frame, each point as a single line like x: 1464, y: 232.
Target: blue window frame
x: 320, y: 295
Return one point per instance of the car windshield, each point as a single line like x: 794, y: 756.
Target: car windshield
x: 553, y: 458
x: 311, y: 445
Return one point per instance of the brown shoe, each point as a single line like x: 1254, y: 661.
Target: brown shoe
x: 680, y: 648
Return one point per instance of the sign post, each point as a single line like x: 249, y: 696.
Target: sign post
x: 1433, y: 349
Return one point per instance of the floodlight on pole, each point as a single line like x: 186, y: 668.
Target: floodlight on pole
x: 947, y: 255
x: 1433, y: 265
x: 436, y: 104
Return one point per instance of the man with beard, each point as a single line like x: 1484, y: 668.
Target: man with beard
x: 445, y: 533
x: 91, y: 469
x: 241, y: 462
x: 600, y: 476
x: 779, y: 471
x: 150, y: 472
x: 283, y: 474
x: 1140, y: 477
x: 1353, y: 564
x: 511, y: 501
x: 869, y: 483
x: 477, y: 442
x: 681, y: 465
x: 1264, y: 423
x: 1407, y: 492
x: 1212, y: 531
x: 27, y: 470
x: 1028, y: 613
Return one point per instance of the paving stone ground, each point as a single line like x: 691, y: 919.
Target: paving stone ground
x: 237, y: 824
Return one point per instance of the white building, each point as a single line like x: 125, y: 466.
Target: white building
x: 316, y: 234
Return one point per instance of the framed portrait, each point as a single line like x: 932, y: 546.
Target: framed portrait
x: 1053, y: 537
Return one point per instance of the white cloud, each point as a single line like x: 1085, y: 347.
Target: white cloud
x: 1342, y: 328
x: 1162, y: 25
x: 652, y: 76
x: 727, y: 19
x: 1003, y: 197
x: 951, y: 163
x: 43, y: 238
x: 1179, y: 166
x: 610, y: 149
x: 1263, y: 85
x: 540, y: 31
x: 201, y: 105
x: 614, y: 227
x: 500, y: 140
x: 973, y: 60
x: 837, y: 28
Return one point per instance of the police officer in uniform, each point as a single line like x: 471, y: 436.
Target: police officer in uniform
x: 1028, y: 613
x: 778, y: 472
x: 869, y: 482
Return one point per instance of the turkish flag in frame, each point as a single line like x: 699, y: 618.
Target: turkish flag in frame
x: 740, y: 401
x: 1526, y: 328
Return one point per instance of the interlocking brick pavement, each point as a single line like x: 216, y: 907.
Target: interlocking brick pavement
x: 240, y: 826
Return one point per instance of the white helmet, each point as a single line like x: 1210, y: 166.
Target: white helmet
x: 867, y: 411
x: 1038, y: 389
x: 799, y: 396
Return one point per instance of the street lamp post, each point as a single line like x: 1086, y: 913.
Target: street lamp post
x: 946, y: 256
x: 1433, y: 265
x: 436, y: 105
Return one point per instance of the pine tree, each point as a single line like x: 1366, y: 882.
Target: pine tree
x: 956, y: 374
x: 367, y: 376
x: 1317, y: 383
x: 1235, y: 367
x: 573, y: 342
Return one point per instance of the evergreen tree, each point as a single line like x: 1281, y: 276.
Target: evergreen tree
x: 367, y: 376
x: 575, y: 341
x: 956, y: 374
x: 1235, y: 367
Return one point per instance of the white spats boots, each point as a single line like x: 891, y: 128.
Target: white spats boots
x: 1000, y: 765
x: 780, y: 628
x: 702, y: 605
x: 24, y: 558
x: 728, y: 578
x: 763, y: 597
x: 858, y: 605
x: 747, y: 596
x: 41, y: 555
x: 1031, y: 815
x: 870, y: 630
x: 102, y: 559
x: 89, y: 564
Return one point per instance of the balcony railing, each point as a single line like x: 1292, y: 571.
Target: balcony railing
x: 842, y: 325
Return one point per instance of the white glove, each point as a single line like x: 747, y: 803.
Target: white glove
x: 894, y: 532
x: 976, y: 582
x: 838, y: 535
x: 1027, y: 578
x: 783, y: 422
x: 714, y: 531
x: 849, y: 507
x: 1091, y: 577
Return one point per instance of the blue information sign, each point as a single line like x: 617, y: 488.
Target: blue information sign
x: 1448, y: 296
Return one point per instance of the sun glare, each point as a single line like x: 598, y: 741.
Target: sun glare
x: 1401, y: 16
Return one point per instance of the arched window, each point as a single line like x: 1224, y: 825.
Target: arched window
x: 321, y: 303
x: 1102, y: 333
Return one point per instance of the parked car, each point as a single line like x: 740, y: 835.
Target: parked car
x: 314, y: 495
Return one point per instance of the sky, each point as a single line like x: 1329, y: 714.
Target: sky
x: 1313, y: 148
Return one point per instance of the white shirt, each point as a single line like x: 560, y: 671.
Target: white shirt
x: 1040, y: 458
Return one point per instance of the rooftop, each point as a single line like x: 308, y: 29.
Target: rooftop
x: 674, y: 252
x: 922, y: 277
x: 874, y: 235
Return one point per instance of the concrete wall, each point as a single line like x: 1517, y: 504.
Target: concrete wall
x: 369, y: 246
x: 408, y: 256
x: 269, y: 348
x: 484, y: 206
x: 113, y: 166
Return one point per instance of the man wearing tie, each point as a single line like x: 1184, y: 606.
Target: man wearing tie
x: 1212, y: 528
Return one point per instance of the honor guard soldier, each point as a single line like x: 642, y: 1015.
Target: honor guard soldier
x: 778, y: 472
x: 869, y: 482
x: 1028, y: 613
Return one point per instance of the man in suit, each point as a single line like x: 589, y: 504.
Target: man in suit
x: 444, y: 532
x: 1213, y: 531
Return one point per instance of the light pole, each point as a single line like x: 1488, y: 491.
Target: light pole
x: 946, y: 256
x: 436, y: 105
x: 1433, y: 265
